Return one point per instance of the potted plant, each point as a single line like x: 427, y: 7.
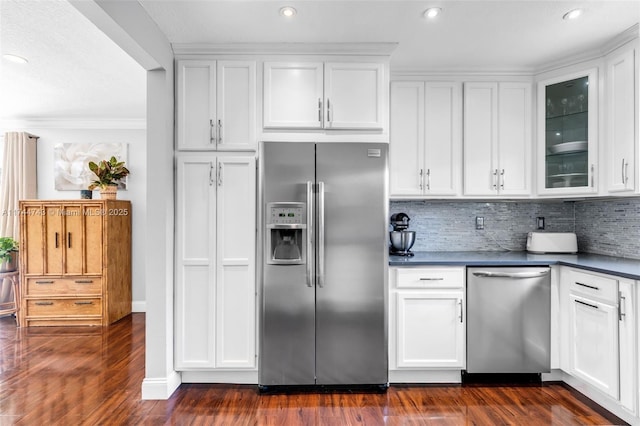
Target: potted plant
x: 8, y: 254
x: 108, y: 173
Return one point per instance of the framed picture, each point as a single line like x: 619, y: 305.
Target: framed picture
x: 71, y: 163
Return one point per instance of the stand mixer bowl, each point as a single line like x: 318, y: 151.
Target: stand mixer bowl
x: 402, y: 241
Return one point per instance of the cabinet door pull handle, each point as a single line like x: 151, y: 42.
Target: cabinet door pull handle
x: 84, y: 303
x: 421, y: 177
x: 44, y: 282
x: 84, y: 281
x: 69, y: 239
x: 461, y: 311
x: 219, y: 174
x: 211, y: 135
x: 622, y: 171
x: 587, y: 304
x: 57, y: 240
x: 502, y: 179
x: 593, y: 174
x: 320, y: 110
x: 431, y: 279
x: 429, y: 179
x: 220, y: 131
x: 626, y: 173
x: 44, y: 303
x: 495, y: 179
x: 211, y: 171
x: 328, y: 111
x: 588, y: 286
x: 622, y: 301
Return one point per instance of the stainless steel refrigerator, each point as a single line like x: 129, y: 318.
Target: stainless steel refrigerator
x: 323, y: 280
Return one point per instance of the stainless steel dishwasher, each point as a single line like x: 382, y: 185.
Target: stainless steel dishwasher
x: 508, y: 320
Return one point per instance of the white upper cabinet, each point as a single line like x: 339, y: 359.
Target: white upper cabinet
x: 293, y: 95
x: 236, y: 105
x: 406, y: 146
x: 316, y: 95
x: 567, y: 134
x: 425, y: 147
x: 497, y: 139
x: 621, y: 114
x: 195, y: 104
x: 216, y: 105
x: 354, y: 95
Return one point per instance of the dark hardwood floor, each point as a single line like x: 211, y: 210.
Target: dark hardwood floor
x: 92, y: 376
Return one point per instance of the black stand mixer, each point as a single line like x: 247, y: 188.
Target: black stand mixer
x: 401, y: 239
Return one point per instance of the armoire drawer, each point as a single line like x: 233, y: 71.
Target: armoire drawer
x: 64, y: 307
x: 63, y: 286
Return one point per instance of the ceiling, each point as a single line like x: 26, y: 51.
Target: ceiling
x: 468, y: 35
x: 76, y: 71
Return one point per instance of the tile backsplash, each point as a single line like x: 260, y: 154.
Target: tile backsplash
x: 610, y: 227
x: 450, y: 226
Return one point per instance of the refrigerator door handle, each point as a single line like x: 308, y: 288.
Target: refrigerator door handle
x: 310, y: 280
x: 321, y: 263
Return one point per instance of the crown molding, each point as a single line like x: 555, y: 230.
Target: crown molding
x: 586, y: 56
x: 630, y: 34
x: 454, y: 74
x: 74, y: 123
x: 357, y: 49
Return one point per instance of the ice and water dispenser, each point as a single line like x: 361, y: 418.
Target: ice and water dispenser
x: 286, y: 233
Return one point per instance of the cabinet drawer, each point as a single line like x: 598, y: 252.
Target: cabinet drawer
x: 63, y: 286
x: 64, y: 307
x: 603, y: 288
x: 430, y: 278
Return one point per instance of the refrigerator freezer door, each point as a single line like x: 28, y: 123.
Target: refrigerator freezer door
x: 351, y: 339
x: 287, y: 340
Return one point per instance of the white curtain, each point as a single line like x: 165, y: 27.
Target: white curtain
x: 18, y: 183
x: 18, y: 179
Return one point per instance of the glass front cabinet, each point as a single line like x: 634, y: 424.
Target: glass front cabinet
x: 567, y: 134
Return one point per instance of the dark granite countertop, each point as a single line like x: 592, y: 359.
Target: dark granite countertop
x: 627, y: 268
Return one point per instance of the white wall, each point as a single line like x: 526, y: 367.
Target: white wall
x: 136, y: 186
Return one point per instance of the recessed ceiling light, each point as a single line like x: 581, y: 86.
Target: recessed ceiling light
x: 432, y: 12
x: 572, y: 14
x: 288, y: 12
x: 15, y: 58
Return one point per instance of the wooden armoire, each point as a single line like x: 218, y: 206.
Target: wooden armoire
x: 75, y: 262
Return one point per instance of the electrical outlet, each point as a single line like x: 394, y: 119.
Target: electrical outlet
x: 479, y: 222
x: 540, y: 222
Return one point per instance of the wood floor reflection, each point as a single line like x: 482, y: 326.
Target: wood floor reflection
x: 92, y: 376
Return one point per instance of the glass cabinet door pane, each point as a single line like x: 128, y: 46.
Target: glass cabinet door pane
x: 566, y: 133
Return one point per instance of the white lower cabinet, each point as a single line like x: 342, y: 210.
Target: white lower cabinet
x: 594, y: 343
x: 599, y: 338
x: 627, y: 317
x: 427, y: 323
x: 430, y: 329
x: 215, y: 298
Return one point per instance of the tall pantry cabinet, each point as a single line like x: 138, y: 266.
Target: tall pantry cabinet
x: 75, y: 262
x: 215, y: 289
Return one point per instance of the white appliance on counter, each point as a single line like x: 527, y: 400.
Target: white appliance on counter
x: 552, y: 242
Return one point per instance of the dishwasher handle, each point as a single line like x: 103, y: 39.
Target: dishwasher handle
x: 518, y: 275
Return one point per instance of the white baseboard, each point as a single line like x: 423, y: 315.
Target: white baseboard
x: 160, y: 387
x: 556, y: 375
x: 139, y: 306
x: 601, y: 399
x: 425, y: 376
x: 235, y: 377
